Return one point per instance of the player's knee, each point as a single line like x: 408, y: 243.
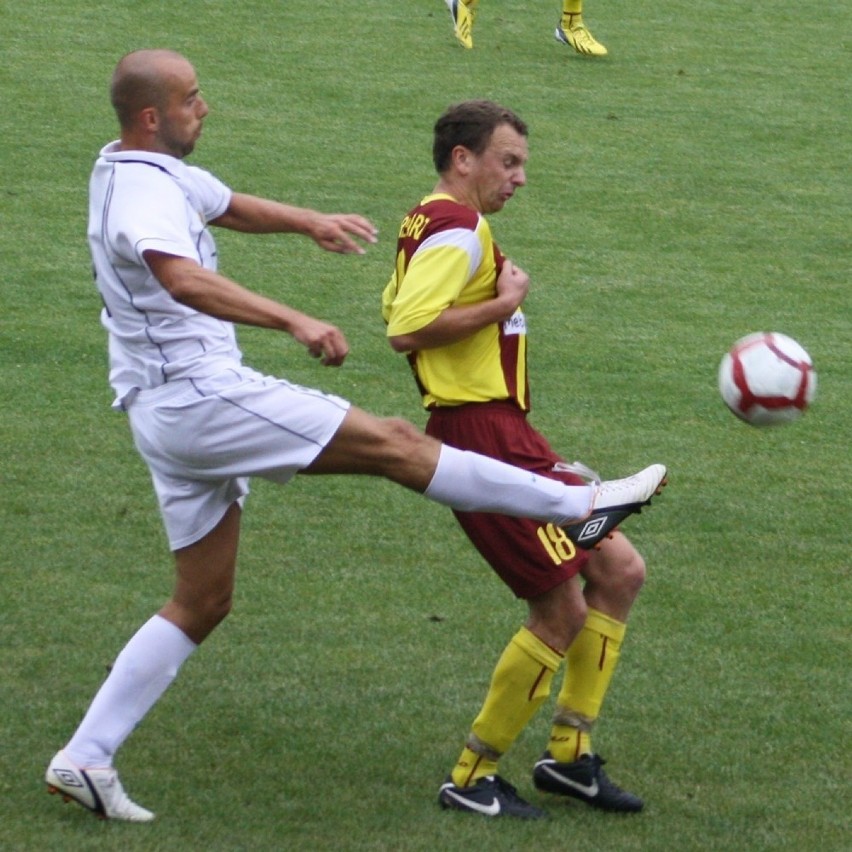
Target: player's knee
x: 631, y: 574
x: 403, y: 440
x: 403, y: 432
x: 618, y: 566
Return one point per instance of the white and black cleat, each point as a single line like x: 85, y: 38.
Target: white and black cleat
x: 97, y: 790
x: 615, y: 500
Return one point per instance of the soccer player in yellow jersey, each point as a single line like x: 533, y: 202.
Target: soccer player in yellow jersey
x: 454, y: 306
x: 571, y: 30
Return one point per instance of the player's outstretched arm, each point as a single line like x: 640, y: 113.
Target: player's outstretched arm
x: 338, y: 232
x: 211, y: 293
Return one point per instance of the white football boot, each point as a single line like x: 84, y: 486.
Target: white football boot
x: 614, y: 500
x: 98, y: 790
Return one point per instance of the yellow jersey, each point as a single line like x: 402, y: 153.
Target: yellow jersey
x: 446, y: 256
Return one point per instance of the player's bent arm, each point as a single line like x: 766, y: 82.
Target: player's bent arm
x: 453, y: 324
x: 457, y: 322
x: 211, y: 293
x: 332, y: 231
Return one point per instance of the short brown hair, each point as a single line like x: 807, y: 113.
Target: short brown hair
x: 471, y: 124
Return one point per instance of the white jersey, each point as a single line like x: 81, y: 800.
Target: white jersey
x: 139, y: 201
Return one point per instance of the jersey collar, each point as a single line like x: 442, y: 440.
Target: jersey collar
x: 113, y: 154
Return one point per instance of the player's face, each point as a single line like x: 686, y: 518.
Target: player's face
x: 499, y: 170
x: 182, y: 119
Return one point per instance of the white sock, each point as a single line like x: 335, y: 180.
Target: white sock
x: 470, y: 482
x: 142, y: 672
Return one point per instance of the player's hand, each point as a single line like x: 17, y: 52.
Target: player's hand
x: 339, y: 232
x: 322, y: 341
x: 513, y: 284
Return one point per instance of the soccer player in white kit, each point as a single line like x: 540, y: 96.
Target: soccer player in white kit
x: 205, y: 423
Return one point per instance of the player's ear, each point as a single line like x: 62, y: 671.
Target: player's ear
x: 462, y: 159
x: 149, y: 119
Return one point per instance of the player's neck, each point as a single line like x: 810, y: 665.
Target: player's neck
x: 455, y: 191
x: 130, y: 141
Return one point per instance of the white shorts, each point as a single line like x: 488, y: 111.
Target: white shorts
x: 203, y: 438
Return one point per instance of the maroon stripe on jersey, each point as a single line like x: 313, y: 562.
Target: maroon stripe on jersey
x: 499, y: 258
x: 512, y: 347
x: 411, y: 357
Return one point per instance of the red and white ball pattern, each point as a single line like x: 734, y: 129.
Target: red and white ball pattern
x: 767, y: 378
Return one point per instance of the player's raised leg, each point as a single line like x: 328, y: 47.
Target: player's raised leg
x: 467, y: 481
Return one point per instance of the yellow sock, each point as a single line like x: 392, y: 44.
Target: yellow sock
x: 471, y: 766
x: 572, y: 13
x: 591, y: 661
x: 520, y: 683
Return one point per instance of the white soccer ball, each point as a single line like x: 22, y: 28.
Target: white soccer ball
x: 767, y: 378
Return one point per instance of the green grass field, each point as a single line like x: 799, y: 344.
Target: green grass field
x: 691, y: 188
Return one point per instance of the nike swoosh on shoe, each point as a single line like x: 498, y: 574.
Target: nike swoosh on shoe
x: 489, y: 810
x: 590, y: 790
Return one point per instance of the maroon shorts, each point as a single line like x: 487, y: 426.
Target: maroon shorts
x: 531, y: 557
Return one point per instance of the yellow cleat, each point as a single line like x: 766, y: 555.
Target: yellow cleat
x: 463, y: 13
x: 581, y: 40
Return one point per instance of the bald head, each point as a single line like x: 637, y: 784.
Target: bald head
x: 144, y: 79
x: 158, y: 102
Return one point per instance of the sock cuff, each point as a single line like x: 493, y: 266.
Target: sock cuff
x: 167, y: 628
x: 605, y: 625
x: 568, y: 718
x: 542, y: 653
